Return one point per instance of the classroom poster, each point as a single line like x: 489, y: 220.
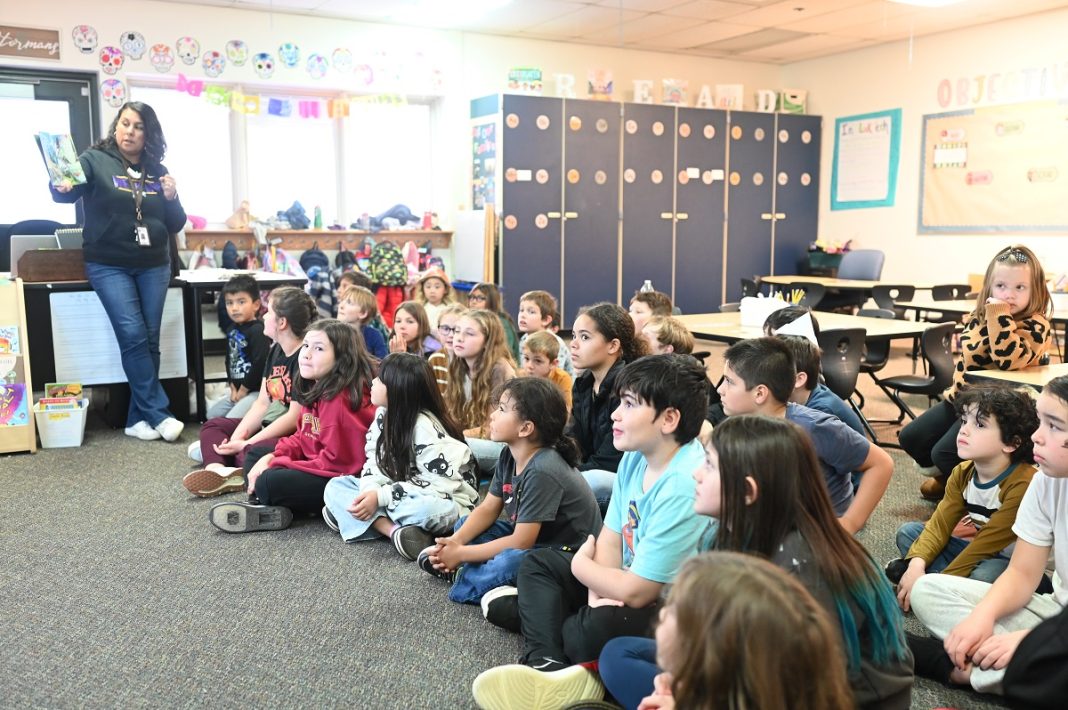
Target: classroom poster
x: 14, y: 410
x: 866, y: 154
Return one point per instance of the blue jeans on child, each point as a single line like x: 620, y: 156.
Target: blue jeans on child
x: 986, y: 571
x: 627, y: 666
x: 133, y: 298
x: 476, y: 578
x: 429, y: 511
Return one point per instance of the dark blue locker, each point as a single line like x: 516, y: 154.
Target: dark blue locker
x: 797, y: 189
x: 591, y: 204
x: 648, y: 197
x: 750, y: 181
x: 699, y: 194
x: 532, y: 193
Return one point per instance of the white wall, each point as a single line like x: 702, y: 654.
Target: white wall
x: 471, y: 65
x: 905, y: 76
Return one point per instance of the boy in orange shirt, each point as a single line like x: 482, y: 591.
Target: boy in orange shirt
x: 541, y: 352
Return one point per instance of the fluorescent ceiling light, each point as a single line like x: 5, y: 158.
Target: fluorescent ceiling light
x: 445, y: 12
x: 928, y: 3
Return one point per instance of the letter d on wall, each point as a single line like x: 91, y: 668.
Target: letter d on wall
x: 765, y: 100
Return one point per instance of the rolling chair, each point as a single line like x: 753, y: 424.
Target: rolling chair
x: 936, y: 345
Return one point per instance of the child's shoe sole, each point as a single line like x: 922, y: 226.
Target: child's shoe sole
x: 246, y: 517
x: 516, y: 687
x: 410, y: 540
x: 206, y: 483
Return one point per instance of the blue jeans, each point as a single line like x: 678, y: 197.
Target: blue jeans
x: 474, y: 579
x: 133, y: 298
x: 986, y: 571
x: 627, y: 666
x: 601, y: 482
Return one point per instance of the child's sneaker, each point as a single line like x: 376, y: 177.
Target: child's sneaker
x: 208, y: 483
x: 423, y: 560
x: 515, y: 687
x: 410, y: 540
x: 247, y: 517
x: 194, y: 452
x: 330, y: 520
x: 895, y: 569
x: 931, y: 659
x: 500, y: 606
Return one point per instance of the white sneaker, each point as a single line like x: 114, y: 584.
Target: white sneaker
x: 170, y: 428
x: 142, y: 431
x: 518, y: 687
x: 194, y: 452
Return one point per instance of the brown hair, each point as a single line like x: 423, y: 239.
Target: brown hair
x: 416, y: 311
x: 450, y: 295
x: 1017, y: 255
x: 362, y: 298
x: 748, y: 635
x: 353, y: 278
x: 296, y: 306
x: 543, y: 343
x: 352, y: 373
x: 474, y: 411
x: 659, y: 303
x: 545, y: 302
x: 671, y: 331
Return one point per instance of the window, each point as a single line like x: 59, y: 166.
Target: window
x: 387, y: 158
x: 198, y: 150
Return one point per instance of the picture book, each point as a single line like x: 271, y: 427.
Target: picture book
x: 60, y: 158
x: 63, y: 389
x: 14, y: 410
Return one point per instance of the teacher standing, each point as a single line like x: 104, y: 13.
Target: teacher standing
x: 131, y: 208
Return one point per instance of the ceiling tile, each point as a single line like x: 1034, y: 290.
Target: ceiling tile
x: 641, y: 5
x: 865, y: 13
x: 787, y: 11
x: 798, y: 47
x: 708, y: 9
x: 518, y: 16
x: 753, y: 40
x: 701, y: 35
x: 637, y: 30
x: 588, y: 18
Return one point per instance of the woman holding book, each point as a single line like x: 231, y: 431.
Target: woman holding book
x: 131, y: 208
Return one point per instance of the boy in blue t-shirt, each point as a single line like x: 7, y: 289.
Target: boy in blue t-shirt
x: 758, y: 378
x: 572, y: 603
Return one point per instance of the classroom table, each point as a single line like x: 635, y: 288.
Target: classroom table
x: 1035, y: 377
x: 840, y: 284
x: 198, y: 282
x: 728, y: 328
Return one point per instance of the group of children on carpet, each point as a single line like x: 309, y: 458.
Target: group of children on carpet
x: 606, y: 517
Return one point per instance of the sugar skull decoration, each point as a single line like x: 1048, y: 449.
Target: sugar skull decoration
x: 111, y: 59
x: 162, y: 57
x: 213, y: 62
x: 342, y: 59
x: 289, y: 54
x: 263, y: 63
x: 84, y: 38
x: 317, y: 66
x: 114, y: 92
x: 188, y: 49
x: 237, y: 52
x: 133, y: 44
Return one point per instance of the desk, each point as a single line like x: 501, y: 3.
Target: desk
x: 840, y: 284
x: 201, y: 281
x: 1035, y: 377
x: 728, y: 328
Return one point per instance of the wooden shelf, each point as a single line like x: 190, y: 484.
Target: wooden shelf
x: 301, y: 239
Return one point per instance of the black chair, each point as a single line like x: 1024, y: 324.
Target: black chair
x: 841, y: 354
x: 814, y: 293
x: 877, y: 352
x: 885, y: 296
x: 947, y: 292
x: 29, y: 226
x: 936, y: 345
x: 860, y: 265
x: 750, y: 287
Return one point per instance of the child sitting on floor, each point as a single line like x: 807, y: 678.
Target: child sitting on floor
x: 357, y: 306
x: 246, y: 348
x: 646, y: 304
x: 541, y: 358
x: 667, y: 334
x: 537, y: 313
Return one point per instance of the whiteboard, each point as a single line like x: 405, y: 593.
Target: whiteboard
x: 84, y: 345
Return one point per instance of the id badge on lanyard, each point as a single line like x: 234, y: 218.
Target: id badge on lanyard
x: 137, y: 185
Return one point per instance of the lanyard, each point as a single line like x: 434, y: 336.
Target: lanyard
x: 137, y: 186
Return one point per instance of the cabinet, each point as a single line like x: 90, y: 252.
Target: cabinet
x: 597, y: 197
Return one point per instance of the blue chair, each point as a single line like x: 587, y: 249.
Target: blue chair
x: 860, y: 265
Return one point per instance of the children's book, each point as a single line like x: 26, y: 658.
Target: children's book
x: 63, y: 389
x: 60, y: 158
x: 53, y: 403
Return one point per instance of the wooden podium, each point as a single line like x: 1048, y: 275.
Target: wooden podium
x: 52, y: 265
x: 17, y: 431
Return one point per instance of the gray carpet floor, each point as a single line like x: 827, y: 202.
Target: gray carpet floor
x: 117, y: 592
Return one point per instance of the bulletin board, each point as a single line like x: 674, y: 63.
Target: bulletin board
x: 996, y: 169
x: 17, y: 431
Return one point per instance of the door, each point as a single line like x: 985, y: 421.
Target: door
x: 797, y: 189
x: 700, y: 191
x: 531, y: 194
x: 749, y: 198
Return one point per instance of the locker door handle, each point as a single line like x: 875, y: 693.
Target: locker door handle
x: 570, y: 215
x: 667, y: 215
x: 682, y: 215
x: 765, y: 216
x: 553, y: 215
x: 780, y: 215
